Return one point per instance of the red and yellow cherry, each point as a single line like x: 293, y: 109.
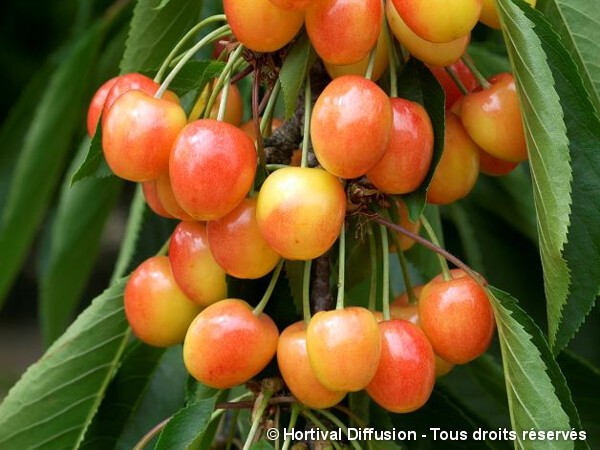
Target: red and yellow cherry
x: 407, y: 158
x: 193, y: 265
x: 344, y: 347
x: 294, y: 365
x: 381, y: 63
x: 494, y: 167
x: 492, y: 117
x: 443, y: 54
x: 260, y: 25
x: 168, y: 200
x: 137, y: 135
x: 405, y: 374
x: 156, y: 308
x: 464, y: 75
x: 227, y: 344
x: 237, y: 244
x: 151, y: 197
x: 406, y: 243
x: 350, y: 126
x: 300, y: 211
x: 95, y: 108
x: 298, y: 5
x: 457, y: 317
x: 439, y: 20
x: 458, y: 169
x: 212, y: 168
x: 234, y: 108
x: 489, y: 13
x: 344, y: 31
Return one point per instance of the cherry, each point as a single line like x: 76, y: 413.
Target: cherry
x: 457, y: 317
x: 212, y: 168
x: 250, y: 130
x: 453, y: 94
x: 298, y: 5
x: 237, y: 244
x: 494, y: 167
x: 344, y: 348
x: 157, y: 310
x: 406, y: 242
x: 300, y: 212
x: 297, y: 373
x: 489, y: 13
x: 234, y: 108
x: 457, y: 170
x: 439, y: 20
x: 492, y: 117
x: 443, y: 54
x: 151, y: 196
x: 227, y: 344
x: 95, y: 108
x: 194, y: 267
x: 137, y: 135
x: 405, y: 374
x: 407, y: 158
x: 168, y: 200
x: 344, y: 31
x: 260, y: 25
x: 350, y: 126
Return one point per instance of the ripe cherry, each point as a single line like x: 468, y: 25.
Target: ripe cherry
x: 294, y: 365
x: 151, y: 196
x: 451, y: 90
x: 350, y: 126
x: 237, y: 244
x: 406, y: 243
x: 494, y: 167
x: 95, y: 108
x: 212, y: 168
x: 344, y: 348
x: 298, y: 5
x: 489, y: 13
x: 407, y: 158
x: 157, y: 310
x: 227, y: 344
x: 300, y: 212
x: 194, y: 268
x: 234, y: 108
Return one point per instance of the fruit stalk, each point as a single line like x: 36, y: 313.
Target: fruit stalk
x: 385, y: 250
x: 435, y: 240
x: 263, y: 302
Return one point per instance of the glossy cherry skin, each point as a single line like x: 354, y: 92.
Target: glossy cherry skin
x: 194, y: 267
x: 344, y: 347
x: 457, y: 317
x: 234, y: 108
x: 344, y: 31
x: 492, y: 117
x: 489, y: 13
x: 439, y: 20
x: 300, y: 212
x: 406, y: 160
x: 494, y: 167
x: 458, y: 169
x: 405, y: 374
x: 157, y: 310
x: 381, y: 63
x: 298, y: 5
x: 95, y: 108
x: 168, y: 200
x: 260, y: 25
x: 151, y: 197
x: 138, y: 133
x: 350, y: 126
x: 227, y: 344
x: 212, y: 168
x: 443, y: 54
x: 294, y: 365
x: 237, y: 244
x: 450, y: 89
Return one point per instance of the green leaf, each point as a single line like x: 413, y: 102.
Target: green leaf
x: 576, y: 21
x: 75, y: 238
x: 417, y: 83
x: 52, y: 405
x: 572, y: 284
x: 261, y: 445
x: 123, y: 395
x: 293, y: 72
x: 94, y: 165
x: 153, y: 33
x: 488, y: 61
x: 187, y: 425
x: 42, y: 157
x: 538, y: 396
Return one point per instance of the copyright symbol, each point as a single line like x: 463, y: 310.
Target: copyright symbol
x: 273, y: 434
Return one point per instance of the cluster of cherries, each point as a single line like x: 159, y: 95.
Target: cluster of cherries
x: 201, y: 170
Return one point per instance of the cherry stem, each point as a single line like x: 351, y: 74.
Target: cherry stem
x: 314, y: 419
x: 435, y: 240
x: 268, y: 113
x: 210, y: 37
x: 164, y: 249
x: 336, y: 421
x: 241, y: 75
x: 224, y: 97
x: 219, y: 84
x: 478, y: 76
x: 306, y: 291
x: 393, y: 60
x: 293, y: 419
x: 250, y: 404
x: 459, y: 84
x: 371, y: 64
x: 385, y: 250
x: 263, y: 302
x: 342, y: 269
x: 260, y: 410
x: 373, y: 256
x: 434, y: 248
x: 232, y: 429
x: 412, y: 298
x: 307, y: 114
x: 145, y: 440
x: 183, y: 41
